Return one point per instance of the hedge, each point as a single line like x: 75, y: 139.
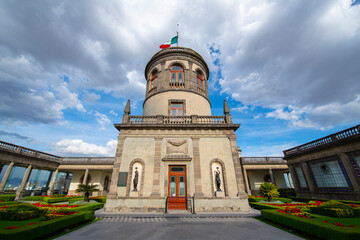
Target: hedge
x: 99, y: 199
x: 260, y: 206
x: 311, y: 226
x: 286, y: 192
x: 305, y: 199
x: 85, y: 208
x: 51, y: 199
x: 41, y: 229
x: 284, y: 200
x: 7, y: 197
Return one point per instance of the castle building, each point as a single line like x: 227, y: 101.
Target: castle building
x: 174, y: 156
x: 177, y: 151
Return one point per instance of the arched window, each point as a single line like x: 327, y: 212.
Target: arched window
x: 153, y: 80
x: 200, y: 80
x: 176, y: 74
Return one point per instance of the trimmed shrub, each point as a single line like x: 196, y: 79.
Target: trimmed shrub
x: 58, y: 195
x: 7, y: 197
x: 260, y: 206
x: 9, y: 203
x: 334, y: 208
x: 101, y: 199
x: 42, y: 229
x: 318, y: 229
x: 19, y: 212
x: 286, y: 192
x: 85, y: 208
x: 284, y: 200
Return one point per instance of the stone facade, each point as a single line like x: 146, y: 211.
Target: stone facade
x: 191, y: 138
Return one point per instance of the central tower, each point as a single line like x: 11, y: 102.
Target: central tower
x: 177, y: 84
x: 176, y: 153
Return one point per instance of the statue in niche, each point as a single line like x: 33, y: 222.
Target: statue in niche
x: 217, y: 179
x: 136, y: 179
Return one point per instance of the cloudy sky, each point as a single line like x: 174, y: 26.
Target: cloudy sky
x: 289, y: 69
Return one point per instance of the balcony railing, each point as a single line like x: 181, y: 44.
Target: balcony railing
x: 333, y: 138
x: 27, y: 151
x: 262, y: 160
x: 177, y: 85
x: 175, y: 120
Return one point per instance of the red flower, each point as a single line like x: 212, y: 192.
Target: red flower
x: 325, y: 222
x: 352, y: 226
x: 339, y: 224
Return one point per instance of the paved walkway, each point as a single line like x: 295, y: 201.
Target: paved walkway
x: 178, y: 228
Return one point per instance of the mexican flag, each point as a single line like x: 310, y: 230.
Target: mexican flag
x: 168, y: 43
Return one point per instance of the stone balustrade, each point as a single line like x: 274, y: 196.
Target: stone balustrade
x: 176, y: 120
x: 338, y: 137
x: 262, y: 160
x: 28, y: 152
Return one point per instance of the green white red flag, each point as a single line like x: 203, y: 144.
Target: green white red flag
x: 174, y: 40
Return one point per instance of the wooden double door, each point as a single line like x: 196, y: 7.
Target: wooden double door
x: 177, y: 187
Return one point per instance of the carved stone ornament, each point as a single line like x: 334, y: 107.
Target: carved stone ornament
x: 177, y: 147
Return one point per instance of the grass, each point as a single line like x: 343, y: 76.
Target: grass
x: 288, y: 229
x: 346, y: 221
x: 68, y: 230
x: 4, y: 224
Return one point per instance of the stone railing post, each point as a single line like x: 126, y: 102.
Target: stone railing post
x: 159, y: 119
x: 194, y: 118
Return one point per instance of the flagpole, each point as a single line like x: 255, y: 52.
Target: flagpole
x: 177, y: 34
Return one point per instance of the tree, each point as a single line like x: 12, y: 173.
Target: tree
x: 86, y: 189
x: 269, y: 190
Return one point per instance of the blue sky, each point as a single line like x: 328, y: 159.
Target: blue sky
x: 288, y: 69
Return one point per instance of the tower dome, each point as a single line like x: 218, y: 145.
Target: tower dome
x: 177, y: 84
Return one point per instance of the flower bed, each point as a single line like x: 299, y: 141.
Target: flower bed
x: 315, y: 226
x: 43, y: 228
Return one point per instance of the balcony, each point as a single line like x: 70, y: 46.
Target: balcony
x: 336, y: 138
x: 27, y: 152
x: 176, y: 120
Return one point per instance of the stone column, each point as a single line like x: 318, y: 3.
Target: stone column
x: 350, y: 171
x: 294, y: 179
x: 85, y: 176
x: 20, y: 193
x: 197, y: 168
x: 156, y: 177
x: 6, y: 176
x: 309, y: 181
x: 52, y: 183
x: 248, y: 190
x: 237, y: 167
x: 65, y: 184
x: 115, y: 174
x: 272, y: 176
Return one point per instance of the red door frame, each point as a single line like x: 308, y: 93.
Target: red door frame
x: 177, y: 202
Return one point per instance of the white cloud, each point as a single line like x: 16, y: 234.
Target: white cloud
x: 91, y: 96
x: 266, y: 150
x: 113, y: 113
x: 322, y: 117
x: 77, y: 147
x: 295, y: 53
x: 68, y: 99
x: 102, y: 119
x: 240, y: 109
